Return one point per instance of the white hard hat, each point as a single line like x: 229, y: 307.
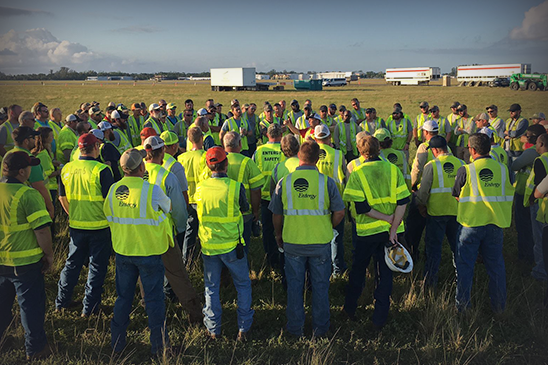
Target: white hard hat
x: 398, y: 259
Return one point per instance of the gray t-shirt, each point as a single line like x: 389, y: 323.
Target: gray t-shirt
x: 252, y: 121
x: 276, y: 206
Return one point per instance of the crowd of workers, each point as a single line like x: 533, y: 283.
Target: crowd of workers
x: 157, y: 187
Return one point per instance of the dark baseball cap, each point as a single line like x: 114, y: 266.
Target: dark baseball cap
x: 21, y: 133
x: 514, y: 108
x: 455, y: 104
x: 492, y: 107
x: 19, y: 160
x: 370, y: 110
x: 332, y: 106
x: 437, y: 142
x: 293, y: 102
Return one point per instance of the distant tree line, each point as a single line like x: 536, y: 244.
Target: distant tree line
x: 65, y: 73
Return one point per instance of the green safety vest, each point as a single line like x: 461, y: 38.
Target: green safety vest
x: 124, y: 142
x: 267, y: 157
x: 135, y: 129
x: 48, y: 168
x: 521, y: 178
x: 342, y: 137
x: 328, y: 121
x: 499, y: 154
x: 444, y: 171
x: 233, y: 127
x: 358, y: 114
x: 421, y: 118
x: 82, y: 180
x: 514, y: 144
x: 462, y: 139
x: 92, y: 123
x: 194, y: 163
x: 487, y: 196
x: 250, y: 177
x: 23, y: 210
x: 399, y: 133
x: 453, y: 121
x: 367, y: 129
x: 265, y: 124
x: 356, y: 162
x: 331, y: 164
x: 67, y: 140
x: 137, y: 229
x: 155, y: 174
x: 305, y: 199
x: 399, y: 159
x: 221, y: 222
x: 382, y: 194
x: 284, y: 168
x: 158, y: 127
x: 169, y: 161
x: 441, y: 126
x: 530, y: 185
x: 171, y: 121
x: 56, y: 128
x: 294, y: 116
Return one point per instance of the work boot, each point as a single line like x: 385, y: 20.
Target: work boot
x: 46, y: 352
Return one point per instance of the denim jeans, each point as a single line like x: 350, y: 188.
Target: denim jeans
x: 486, y: 240
x: 436, y: 228
x: 522, y: 219
x: 414, y: 226
x: 368, y: 247
x: 538, y: 271
x: 248, y: 226
x: 239, y: 270
x: 319, y: 267
x: 28, y: 283
x: 337, y: 251
x: 189, y: 242
x: 151, y: 271
x: 97, y: 246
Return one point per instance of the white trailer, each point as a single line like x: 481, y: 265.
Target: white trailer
x: 477, y: 74
x: 412, y: 75
x: 239, y: 78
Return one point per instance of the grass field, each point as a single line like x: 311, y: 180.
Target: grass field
x: 423, y: 326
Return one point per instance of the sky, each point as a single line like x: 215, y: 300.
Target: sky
x: 345, y: 35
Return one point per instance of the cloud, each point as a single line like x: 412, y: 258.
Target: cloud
x: 138, y: 29
x: 7, y: 12
x: 37, y: 50
x: 534, y: 25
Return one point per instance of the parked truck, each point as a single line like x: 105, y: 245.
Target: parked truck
x: 412, y: 76
x: 477, y: 75
x: 528, y: 82
x: 239, y: 78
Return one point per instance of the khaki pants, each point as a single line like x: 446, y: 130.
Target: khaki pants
x: 180, y: 283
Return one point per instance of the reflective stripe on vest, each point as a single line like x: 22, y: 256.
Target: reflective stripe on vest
x: 475, y: 190
x: 321, y: 201
x: 142, y: 211
x: 342, y: 136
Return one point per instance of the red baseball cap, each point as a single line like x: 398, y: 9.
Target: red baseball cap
x: 87, y: 139
x: 215, y: 155
x: 148, y: 132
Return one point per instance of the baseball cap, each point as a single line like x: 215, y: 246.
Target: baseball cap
x: 234, y: 101
x: 132, y: 158
x: 169, y: 138
x: 171, y: 106
x: 115, y: 115
x: 153, y: 143
x: 492, y: 107
x: 307, y: 107
x: 482, y: 116
x: 153, y: 106
x: 293, y: 102
x: 216, y: 105
x: 143, y: 105
x: 23, y: 132
x: 435, y: 108
x: 332, y: 106
x: 36, y: 106
x: 430, y: 126
x: 462, y: 107
x: 148, y: 132
x: 538, y: 116
x: 19, y: 160
x: 396, y: 110
x: 321, y: 131
x: 71, y: 118
x: 98, y: 134
x: 514, y: 108
x: 94, y: 110
x: 437, y: 142
x: 135, y: 106
x: 370, y: 110
x: 423, y: 104
x: 111, y: 104
x: 486, y: 131
x: 104, y: 125
x: 382, y: 134
x: 202, y: 112
x: 315, y: 116
x: 215, y: 155
x: 455, y: 104
x: 87, y: 139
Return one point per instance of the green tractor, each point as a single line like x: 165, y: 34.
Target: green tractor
x: 528, y: 82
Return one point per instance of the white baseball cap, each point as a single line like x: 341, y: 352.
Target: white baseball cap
x: 487, y: 131
x: 202, y: 112
x: 321, y: 131
x: 103, y: 126
x: 98, y: 134
x: 153, y: 143
x: 153, y: 106
x: 430, y: 126
x: 115, y: 115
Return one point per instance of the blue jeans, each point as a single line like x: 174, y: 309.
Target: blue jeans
x: 239, y: 271
x: 337, y: 251
x: 436, y: 228
x: 320, y: 271
x: 97, y: 246
x: 151, y: 271
x: 28, y: 283
x: 189, y: 242
x: 522, y: 219
x: 538, y: 271
x: 488, y: 241
x: 368, y: 247
x: 248, y: 225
